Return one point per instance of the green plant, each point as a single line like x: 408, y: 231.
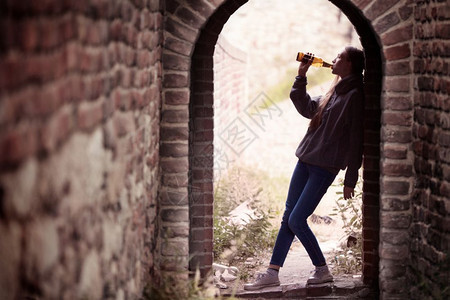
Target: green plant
x: 173, y: 287
x: 349, y: 259
x: 235, y: 242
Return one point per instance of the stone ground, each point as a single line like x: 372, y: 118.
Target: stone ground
x: 274, y: 152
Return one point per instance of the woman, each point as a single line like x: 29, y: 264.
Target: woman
x: 333, y: 142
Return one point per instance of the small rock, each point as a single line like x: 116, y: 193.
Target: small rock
x: 220, y: 285
x: 227, y: 277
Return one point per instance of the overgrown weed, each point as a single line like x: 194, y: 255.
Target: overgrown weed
x: 235, y: 243
x: 348, y: 259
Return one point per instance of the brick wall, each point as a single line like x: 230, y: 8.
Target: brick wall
x: 230, y: 99
x: 80, y: 89
x: 393, y: 22
x: 430, y: 229
x: 103, y: 181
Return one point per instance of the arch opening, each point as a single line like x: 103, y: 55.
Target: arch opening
x: 201, y: 135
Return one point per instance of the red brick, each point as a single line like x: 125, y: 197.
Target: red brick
x: 28, y: 33
x: 422, y: 49
x: 202, y: 234
x: 170, y: 133
x: 204, y: 246
x: 124, y: 123
x: 143, y: 58
x: 397, y: 170
x: 143, y: 79
x: 9, y: 77
x: 398, y: 103
x: 150, y: 39
x: 137, y: 99
x: 386, y: 22
x: 398, y: 252
x: 57, y: 129
x: 442, y: 31
x: 398, y: 68
x: 201, y: 198
x: 175, y: 165
x: 395, y: 152
x: 203, y: 100
x: 442, y: 12
x: 49, y: 35
x: 190, y: 18
x: 370, y: 234
x: 176, y: 97
x: 201, y: 221
x: 89, y: 115
x: 121, y: 100
x: 153, y: 160
x: 424, y: 31
x: 395, y: 204
x: 157, y: 19
x: 405, y: 12
x: 390, y: 187
x: 204, y: 136
x: 202, y: 186
x: 92, y: 32
x: 202, y: 7
x: 444, y: 139
x: 175, y: 116
x: 115, y: 30
x: 176, y: 80
x: 176, y: 62
x: 179, y: 46
x: 395, y: 220
x: 378, y: 8
x: 425, y: 83
x: 175, y: 215
x: 174, y: 150
x: 397, y: 118
x: 16, y: 145
x: 180, y: 30
x: 394, y: 84
x: 370, y: 175
x: 203, y: 123
x: 397, y: 52
x: 371, y: 187
x: 179, y: 247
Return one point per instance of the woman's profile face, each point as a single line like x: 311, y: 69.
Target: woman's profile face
x: 342, y: 65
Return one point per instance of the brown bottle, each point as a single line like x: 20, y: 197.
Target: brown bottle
x: 317, y: 61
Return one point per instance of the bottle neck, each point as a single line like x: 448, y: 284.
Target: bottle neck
x: 327, y: 65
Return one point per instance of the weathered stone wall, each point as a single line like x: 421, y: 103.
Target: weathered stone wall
x: 429, y: 266
x: 80, y: 86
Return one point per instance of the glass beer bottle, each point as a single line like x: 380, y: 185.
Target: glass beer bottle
x: 317, y: 61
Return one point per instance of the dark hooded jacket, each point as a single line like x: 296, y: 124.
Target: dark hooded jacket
x: 338, y: 141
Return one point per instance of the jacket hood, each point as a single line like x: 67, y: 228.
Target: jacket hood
x: 348, y: 83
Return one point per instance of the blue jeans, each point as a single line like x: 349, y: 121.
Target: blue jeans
x: 308, y: 185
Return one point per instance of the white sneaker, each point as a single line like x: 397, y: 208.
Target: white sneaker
x: 266, y: 279
x: 321, y: 275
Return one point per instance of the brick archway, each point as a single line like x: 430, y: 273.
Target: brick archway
x: 186, y: 156
x: 201, y: 138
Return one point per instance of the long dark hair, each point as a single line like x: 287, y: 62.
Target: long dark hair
x: 356, y: 57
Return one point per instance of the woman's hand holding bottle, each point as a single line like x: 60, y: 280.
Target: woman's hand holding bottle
x: 305, y: 64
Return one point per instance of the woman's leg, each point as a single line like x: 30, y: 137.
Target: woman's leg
x: 307, y: 187
x: 318, y: 182
x: 285, y: 234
